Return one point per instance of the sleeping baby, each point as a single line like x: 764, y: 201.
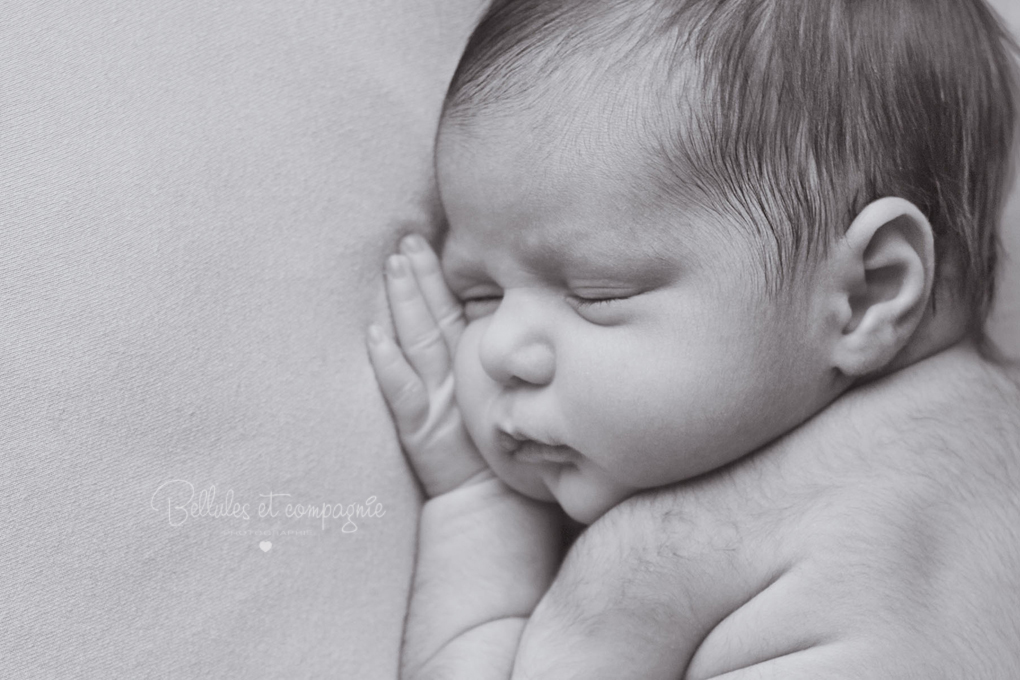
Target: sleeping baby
x: 677, y: 231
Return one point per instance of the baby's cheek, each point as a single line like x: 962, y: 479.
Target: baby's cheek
x: 628, y: 428
x: 469, y: 382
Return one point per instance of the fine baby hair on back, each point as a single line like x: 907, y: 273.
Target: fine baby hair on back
x: 787, y: 116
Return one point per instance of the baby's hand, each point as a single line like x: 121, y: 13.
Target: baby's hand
x: 416, y: 377
x: 486, y: 554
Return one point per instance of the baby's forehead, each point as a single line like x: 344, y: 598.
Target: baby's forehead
x: 582, y: 188
x: 576, y: 255
x: 604, y: 135
x: 583, y: 239
x: 554, y: 161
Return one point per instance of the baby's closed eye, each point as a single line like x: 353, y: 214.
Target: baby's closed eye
x: 477, y: 306
x: 599, y: 305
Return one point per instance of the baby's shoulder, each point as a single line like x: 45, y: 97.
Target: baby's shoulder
x: 955, y: 408
x: 956, y: 391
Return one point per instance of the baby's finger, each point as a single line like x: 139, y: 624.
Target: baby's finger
x: 403, y: 389
x: 420, y: 338
x: 445, y: 308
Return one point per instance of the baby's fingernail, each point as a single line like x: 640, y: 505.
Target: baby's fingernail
x: 413, y: 243
x: 395, y: 265
x: 375, y: 334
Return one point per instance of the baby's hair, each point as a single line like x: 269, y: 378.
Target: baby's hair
x: 789, y: 115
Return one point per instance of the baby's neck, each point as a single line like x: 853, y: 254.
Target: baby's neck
x: 936, y: 333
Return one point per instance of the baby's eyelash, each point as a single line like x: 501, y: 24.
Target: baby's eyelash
x: 588, y: 303
x: 479, y: 305
x: 602, y: 307
x: 594, y: 303
x: 480, y: 298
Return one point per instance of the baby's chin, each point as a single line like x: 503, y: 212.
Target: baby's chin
x: 584, y: 491
x: 585, y: 511
x: 583, y: 496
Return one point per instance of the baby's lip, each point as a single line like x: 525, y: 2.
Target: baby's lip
x: 536, y: 452
x: 527, y: 450
x: 507, y: 442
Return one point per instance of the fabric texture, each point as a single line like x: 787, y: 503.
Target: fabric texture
x: 196, y: 199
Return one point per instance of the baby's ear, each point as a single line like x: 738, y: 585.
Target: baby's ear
x: 885, y: 267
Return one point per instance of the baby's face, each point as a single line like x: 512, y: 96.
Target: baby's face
x: 610, y: 347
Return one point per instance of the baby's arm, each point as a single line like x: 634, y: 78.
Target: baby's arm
x: 486, y: 554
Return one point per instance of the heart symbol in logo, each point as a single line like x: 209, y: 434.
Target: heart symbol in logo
x: 266, y: 546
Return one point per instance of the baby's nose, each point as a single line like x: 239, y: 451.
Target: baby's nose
x: 514, y: 347
x: 532, y: 364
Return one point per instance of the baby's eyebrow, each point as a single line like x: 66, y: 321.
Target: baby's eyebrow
x: 568, y: 254
x: 607, y: 252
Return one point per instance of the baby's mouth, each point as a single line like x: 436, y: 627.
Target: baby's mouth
x: 525, y: 450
